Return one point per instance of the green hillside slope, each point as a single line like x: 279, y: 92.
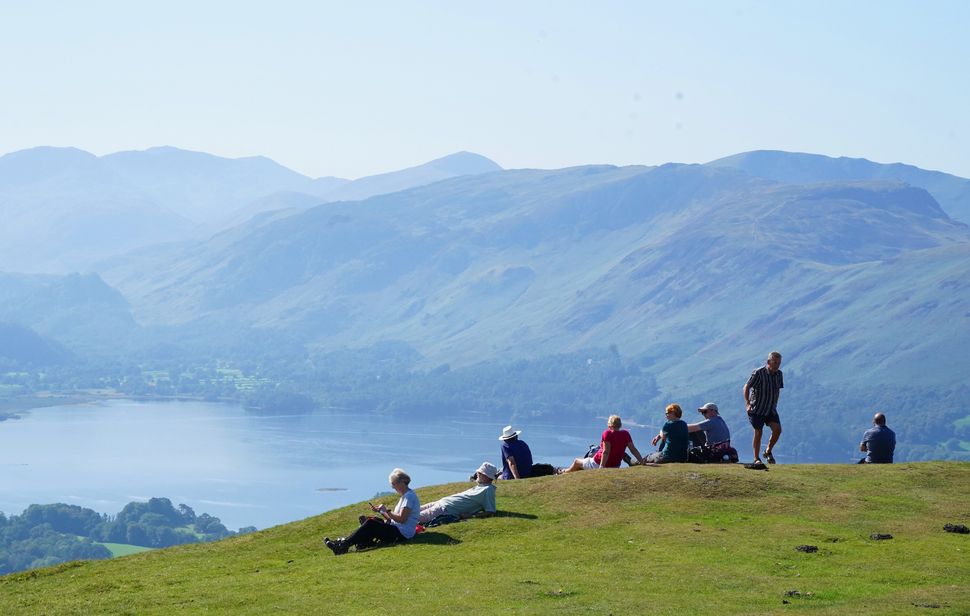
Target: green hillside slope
x: 681, y: 539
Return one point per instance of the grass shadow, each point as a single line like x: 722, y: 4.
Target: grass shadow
x: 433, y: 537
x: 515, y: 514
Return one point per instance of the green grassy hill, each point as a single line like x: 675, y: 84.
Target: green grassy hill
x: 682, y: 539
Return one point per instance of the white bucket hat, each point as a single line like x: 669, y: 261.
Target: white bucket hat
x: 488, y: 469
x: 508, y: 432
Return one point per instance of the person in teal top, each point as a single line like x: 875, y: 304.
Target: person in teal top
x: 673, y: 438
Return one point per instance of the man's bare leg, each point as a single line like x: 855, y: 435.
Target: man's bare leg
x: 775, y: 433
x: 756, y: 444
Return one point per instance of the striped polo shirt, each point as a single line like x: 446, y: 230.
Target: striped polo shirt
x: 764, y: 389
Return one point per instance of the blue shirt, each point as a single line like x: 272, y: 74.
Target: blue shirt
x: 880, y: 444
x: 523, y: 458
x: 715, y: 430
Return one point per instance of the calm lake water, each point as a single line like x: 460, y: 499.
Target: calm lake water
x: 247, y: 468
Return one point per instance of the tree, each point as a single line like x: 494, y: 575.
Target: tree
x: 186, y: 514
x: 137, y: 534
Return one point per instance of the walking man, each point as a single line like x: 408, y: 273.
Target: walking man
x: 761, y: 394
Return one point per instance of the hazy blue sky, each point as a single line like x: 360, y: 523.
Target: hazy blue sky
x: 354, y: 89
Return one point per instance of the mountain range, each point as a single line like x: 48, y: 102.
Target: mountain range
x: 857, y: 272
x: 859, y: 279
x: 66, y: 209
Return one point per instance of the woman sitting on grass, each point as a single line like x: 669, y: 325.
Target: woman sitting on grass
x: 673, y: 438
x: 397, y: 525
x: 613, y: 445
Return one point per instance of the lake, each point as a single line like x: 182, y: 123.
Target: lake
x: 250, y: 469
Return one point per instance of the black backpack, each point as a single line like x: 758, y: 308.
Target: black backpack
x: 718, y: 453
x: 541, y: 469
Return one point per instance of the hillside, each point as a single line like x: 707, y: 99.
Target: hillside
x: 668, y: 263
x: 673, y: 540
x: 79, y: 311
x: 951, y: 191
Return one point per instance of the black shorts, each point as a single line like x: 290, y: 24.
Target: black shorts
x: 758, y: 421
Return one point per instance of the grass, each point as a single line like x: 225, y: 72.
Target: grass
x: 125, y: 549
x: 680, y: 539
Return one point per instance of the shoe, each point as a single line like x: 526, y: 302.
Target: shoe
x: 338, y: 547
x: 768, y: 457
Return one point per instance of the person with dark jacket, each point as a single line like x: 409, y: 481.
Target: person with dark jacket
x: 879, y: 442
x: 516, y: 455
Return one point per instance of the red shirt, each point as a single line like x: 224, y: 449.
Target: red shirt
x: 618, y: 440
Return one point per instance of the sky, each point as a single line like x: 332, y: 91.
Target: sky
x: 353, y: 89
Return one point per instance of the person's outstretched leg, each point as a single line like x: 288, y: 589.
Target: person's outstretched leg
x: 576, y: 466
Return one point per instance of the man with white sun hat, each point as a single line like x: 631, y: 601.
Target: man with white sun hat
x: 516, y: 455
x: 477, y: 501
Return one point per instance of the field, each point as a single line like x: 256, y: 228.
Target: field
x: 680, y: 539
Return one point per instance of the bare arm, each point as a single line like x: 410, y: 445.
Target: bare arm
x: 513, y: 467
x: 400, y: 518
x: 635, y: 452
x: 747, y: 402
x: 693, y: 427
x: 606, y: 454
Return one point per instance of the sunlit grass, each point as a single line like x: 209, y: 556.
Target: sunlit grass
x: 680, y: 539
x: 124, y: 549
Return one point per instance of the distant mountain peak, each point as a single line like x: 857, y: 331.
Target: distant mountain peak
x: 446, y: 167
x: 464, y: 163
x: 48, y: 153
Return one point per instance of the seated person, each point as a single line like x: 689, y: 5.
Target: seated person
x: 516, y: 455
x: 673, y: 439
x: 398, y: 525
x: 712, y: 430
x: 879, y: 442
x: 477, y: 501
x: 613, y: 445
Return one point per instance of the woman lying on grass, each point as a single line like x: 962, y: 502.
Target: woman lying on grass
x: 613, y: 445
x: 397, y: 525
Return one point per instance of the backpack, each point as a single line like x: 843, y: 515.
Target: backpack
x: 541, y: 470
x: 718, y: 453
